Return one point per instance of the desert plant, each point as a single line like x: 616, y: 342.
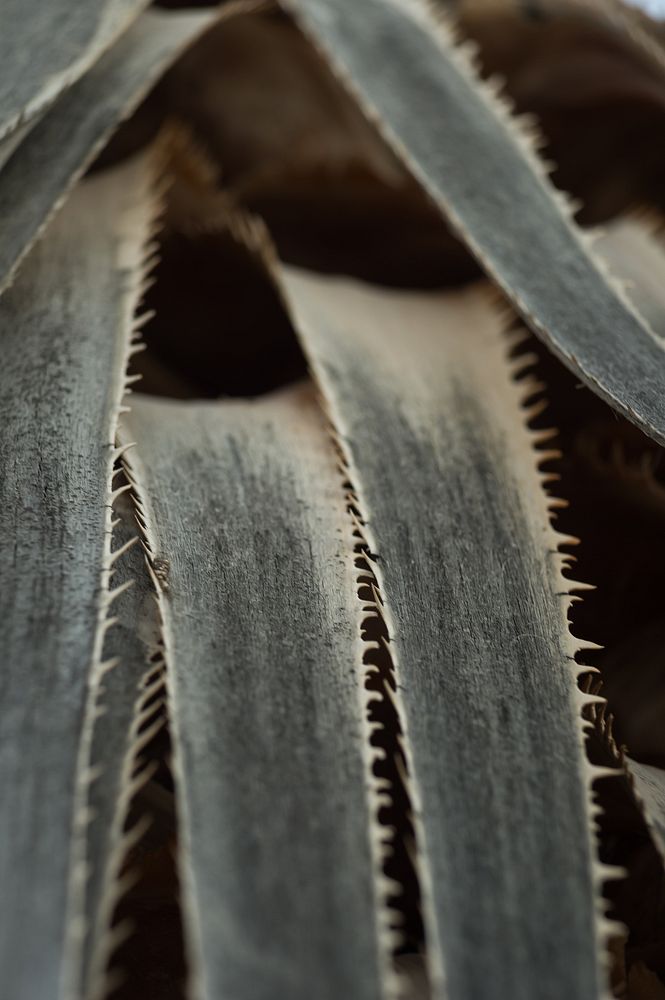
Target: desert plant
x: 293, y: 699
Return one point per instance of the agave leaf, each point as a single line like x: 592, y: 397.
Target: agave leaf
x: 632, y: 27
x: 66, y: 327
x: 462, y: 145
x: 632, y: 247
x: 45, y: 47
x: 632, y: 251
x: 643, y: 984
x: 14, y: 140
x: 421, y: 395
x: 128, y: 713
x: 251, y: 541
x: 644, y: 782
x: 36, y: 179
x: 649, y: 785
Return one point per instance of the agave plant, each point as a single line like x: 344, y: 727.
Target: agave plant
x: 300, y: 697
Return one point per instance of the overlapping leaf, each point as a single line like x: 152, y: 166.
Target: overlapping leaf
x: 422, y: 397
x: 462, y: 145
x: 246, y: 521
x: 66, y: 328
x: 57, y: 150
x: 45, y: 47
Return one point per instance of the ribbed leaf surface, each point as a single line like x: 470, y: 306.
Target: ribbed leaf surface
x: 122, y: 707
x: 252, y: 542
x: 460, y: 143
x: 422, y: 396
x: 65, y: 333
x: 45, y: 47
x: 649, y: 783
x: 36, y: 179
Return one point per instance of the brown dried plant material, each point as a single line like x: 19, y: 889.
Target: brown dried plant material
x: 223, y: 87
x: 599, y: 97
x: 644, y: 984
x: 238, y: 338
x: 290, y: 145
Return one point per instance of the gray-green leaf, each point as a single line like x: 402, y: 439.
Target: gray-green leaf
x: 422, y: 396
x: 65, y: 328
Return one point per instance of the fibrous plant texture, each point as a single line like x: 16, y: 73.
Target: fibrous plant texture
x: 332, y: 501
